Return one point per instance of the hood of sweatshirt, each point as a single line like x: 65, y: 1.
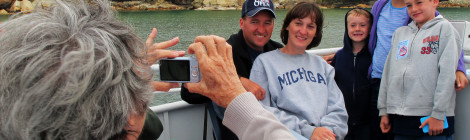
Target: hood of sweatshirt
x: 426, y: 25
x: 347, y: 42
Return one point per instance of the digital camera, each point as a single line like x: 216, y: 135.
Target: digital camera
x: 180, y: 70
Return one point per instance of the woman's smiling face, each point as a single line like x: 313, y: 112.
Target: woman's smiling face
x: 301, y: 33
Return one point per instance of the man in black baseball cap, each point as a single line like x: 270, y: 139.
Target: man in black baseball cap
x: 251, y: 7
x: 254, y: 38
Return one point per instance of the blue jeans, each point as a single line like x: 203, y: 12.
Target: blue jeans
x: 402, y: 137
x: 220, y: 131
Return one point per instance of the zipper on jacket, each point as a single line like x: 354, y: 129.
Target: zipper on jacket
x: 354, y: 78
x: 406, y: 68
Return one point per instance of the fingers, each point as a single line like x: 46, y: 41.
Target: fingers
x: 259, y: 93
x: 263, y: 93
x: 161, y: 45
x: 460, y: 84
x: 169, y: 54
x: 436, y: 126
x: 464, y: 82
x: 461, y: 81
x: 435, y: 131
x: 163, y: 86
x: 330, y: 135
x: 156, y: 51
x: 327, y: 138
x: 382, y: 128
x: 254, y: 88
x: 199, y: 50
x: 328, y: 57
x: 323, y: 133
x: 214, y: 46
x: 424, y: 123
x: 209, y: 43
x: 155, y: 55
x: 194, y: 87
x: 166, y: 44
x: 221, y: 49
x: 385, y: 124
x: 228, y: 53
x: 151, y: 36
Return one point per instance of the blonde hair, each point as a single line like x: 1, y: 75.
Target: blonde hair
x: 358, y: 12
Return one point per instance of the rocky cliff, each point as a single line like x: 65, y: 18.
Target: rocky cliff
x: 12, y: 6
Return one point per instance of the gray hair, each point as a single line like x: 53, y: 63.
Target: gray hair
x: 73, y: 71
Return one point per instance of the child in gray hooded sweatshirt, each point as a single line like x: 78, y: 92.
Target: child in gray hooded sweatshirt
x: 300, y: 88
x: 419, y: 74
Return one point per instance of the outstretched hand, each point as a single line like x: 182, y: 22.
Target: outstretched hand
x: 219, y: 80
x: 156, y: 51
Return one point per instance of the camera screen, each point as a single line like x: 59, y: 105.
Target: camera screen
x: 174, y: 70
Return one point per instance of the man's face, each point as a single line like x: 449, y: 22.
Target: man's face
x: 421, y: 11
x: 257, y: 30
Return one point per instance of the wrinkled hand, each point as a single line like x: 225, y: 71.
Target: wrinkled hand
x: 322, y: 133
x: 219, y: 80
x: 436, y: 126
x: 329, y: 58
x: 385, y: 124
x: 156, y: 52
x: 254, y: 88
x: 163, y: 86
x: 461, y: 81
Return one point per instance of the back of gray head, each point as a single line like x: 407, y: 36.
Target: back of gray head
x: 70, y: 72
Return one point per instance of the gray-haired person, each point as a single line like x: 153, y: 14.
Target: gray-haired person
x: 76, y: 72
x: 72, y: 72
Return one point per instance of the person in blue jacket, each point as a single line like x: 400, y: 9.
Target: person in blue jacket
x: 351, y: 66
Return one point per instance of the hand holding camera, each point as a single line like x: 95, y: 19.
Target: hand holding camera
x: 218, y: 76
x: 219, y: 79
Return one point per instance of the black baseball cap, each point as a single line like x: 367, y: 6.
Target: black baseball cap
x: 252, y: 7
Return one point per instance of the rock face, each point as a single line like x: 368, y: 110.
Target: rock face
x: 12, y: 6
x: 26, y: 5
x: 181, y: 2
x: 6, y: 4
x: 237, y: 4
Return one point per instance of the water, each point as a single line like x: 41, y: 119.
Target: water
x: 187, y: 24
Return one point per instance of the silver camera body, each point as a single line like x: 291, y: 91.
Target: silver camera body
x: 180, y: 70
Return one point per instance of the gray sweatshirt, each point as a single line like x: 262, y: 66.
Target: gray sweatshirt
x: 301, y: 92
x: 419, y: 73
